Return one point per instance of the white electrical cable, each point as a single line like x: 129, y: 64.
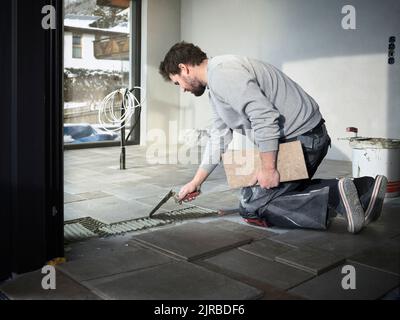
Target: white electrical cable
x: 110, y: 109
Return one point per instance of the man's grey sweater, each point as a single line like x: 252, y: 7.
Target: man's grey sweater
x: 256, y: 99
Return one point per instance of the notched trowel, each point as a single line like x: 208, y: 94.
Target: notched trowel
x: 173, y: 194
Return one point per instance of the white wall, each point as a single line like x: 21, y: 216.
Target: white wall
x: 88, y: 60
x: 160, y: 30
x: 346, y: 71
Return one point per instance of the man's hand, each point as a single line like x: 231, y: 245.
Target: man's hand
x: 186, y: 189
x: 268, y: 178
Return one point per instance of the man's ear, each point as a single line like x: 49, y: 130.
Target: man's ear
x: 184, y: 69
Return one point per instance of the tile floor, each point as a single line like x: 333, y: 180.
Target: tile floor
x: 217, y: 257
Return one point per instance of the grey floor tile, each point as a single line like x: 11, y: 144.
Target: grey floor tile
x: 218, y: 200
x: 385, y: 257
x: 29, y: 287
x: 312, y: 260
x: 253, y: 232
x: 258, y: 269
x: 369, y: 284
x: 68, y: 198
x: 109, y: 209
x: 98, y: 246
x: 192, y: 240
x: 94, y: 195
x: 113, y: 263
x: 173, y: 281
x: 267, y: 248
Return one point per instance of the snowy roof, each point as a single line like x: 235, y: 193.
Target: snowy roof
x: 83, y: 22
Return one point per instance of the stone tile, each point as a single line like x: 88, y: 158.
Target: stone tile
x: 218, y: 200
x: 94, y: 195
x: 253, y: 232
x: 193, y: 240
x: 68, y: 198
x: 133, y: 191
x: 116, y: 262
x: 300, y: 237
x: 311, y: 260
x: 267, y: 249
x: 370, y: 284
x: 98, y: 247
x: 109, y: 209
x: 173, y: 281
x: 29, y: 287
x: 258, y: 269
x: 385, y: 257
x: 168, y: 206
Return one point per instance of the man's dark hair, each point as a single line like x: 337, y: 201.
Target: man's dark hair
x: 181, y: 52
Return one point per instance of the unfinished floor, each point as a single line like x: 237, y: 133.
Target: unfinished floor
x: 214, y: 257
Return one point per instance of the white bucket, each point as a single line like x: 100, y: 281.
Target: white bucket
x: 373, y: 156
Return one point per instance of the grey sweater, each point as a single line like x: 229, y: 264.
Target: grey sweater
x: 255, y: 99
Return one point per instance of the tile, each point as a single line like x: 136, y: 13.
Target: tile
x: 173, y: 281
x: 369, y: 284
x: 311, y: 260
x: 266, y: 249
x: 93, y: 195
x: 133, y: 191
x: 218, y: 200
x: 108, y: 209
x: 98, y: 247
x: 192, y: 240
x: 258, y: 269
x: 29, y: 287
x: 113, y: 263
x: 253, y: 232
x: 385, y: 257
x: 68, y: 198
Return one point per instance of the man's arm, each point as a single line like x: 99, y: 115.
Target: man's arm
x: 268, y: 176
x: 220, y: 137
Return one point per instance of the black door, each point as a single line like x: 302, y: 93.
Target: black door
x: 31, y: 218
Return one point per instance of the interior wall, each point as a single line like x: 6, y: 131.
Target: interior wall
x: 346, y: 71
x: 160, y: 30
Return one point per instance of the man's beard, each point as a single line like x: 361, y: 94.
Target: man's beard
x: 197, y: 88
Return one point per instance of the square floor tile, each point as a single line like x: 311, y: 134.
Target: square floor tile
x: 258, y: 269
x: 369, y: 284
x: 193, y: 240
x: 173, y: 281
x: 253, y: 232
x: 385, y: 257
x: 311, y: 260
x: 113, y: 263
x: 29, y: 287
x: 267, y: 248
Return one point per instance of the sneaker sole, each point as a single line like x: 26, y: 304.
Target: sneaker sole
x: 374, y: 209
x: 354, y: 210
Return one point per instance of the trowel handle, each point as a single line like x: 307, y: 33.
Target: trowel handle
x: 191, y: 195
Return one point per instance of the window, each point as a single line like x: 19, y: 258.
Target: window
x: 106, y: 31
x: 77, y: 46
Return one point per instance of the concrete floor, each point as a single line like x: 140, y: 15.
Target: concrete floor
x: 218, y: 257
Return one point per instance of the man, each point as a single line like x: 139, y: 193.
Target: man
x: 257, y: 99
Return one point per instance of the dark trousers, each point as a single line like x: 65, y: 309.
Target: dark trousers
x: 296, y: 204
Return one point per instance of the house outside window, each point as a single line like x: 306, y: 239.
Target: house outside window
x: 77, y: 46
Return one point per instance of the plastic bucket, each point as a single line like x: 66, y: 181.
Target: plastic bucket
x: 373, y: 156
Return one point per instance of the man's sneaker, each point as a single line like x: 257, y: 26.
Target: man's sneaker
x: 371, y: 193
x: 354, y: 213
x: 374, y: 208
